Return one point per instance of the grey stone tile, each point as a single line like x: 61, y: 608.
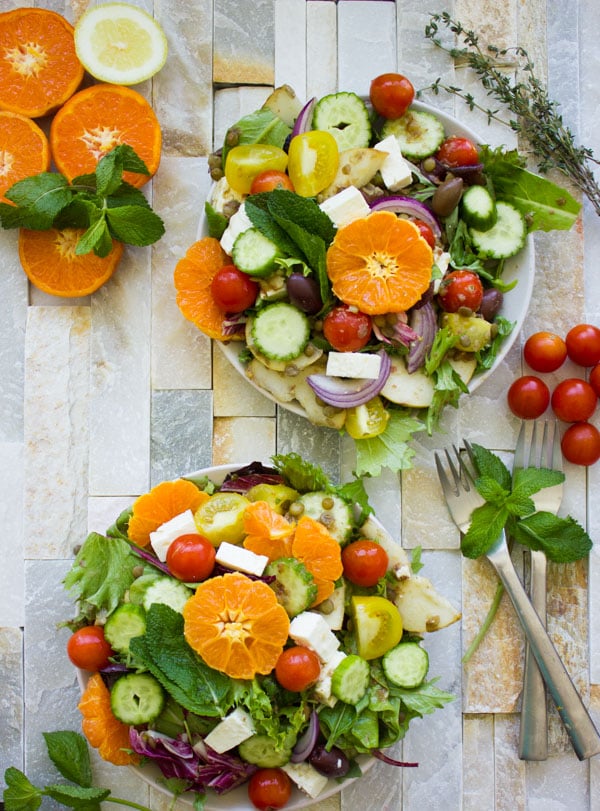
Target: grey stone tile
x: 181, y: 433
x: 244, y: 42
x: 321, y: 446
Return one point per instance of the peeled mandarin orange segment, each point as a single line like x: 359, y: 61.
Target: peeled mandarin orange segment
x: 379, y: 264
x: 320, y: 553
x: 24, y: 150
x: 236, y: 625
x: 96, y: 120
x: 193, y: 277
x: 162, y: 503
x: 39, y: 69
x: 51, y: 264
x: 102, y: 730
x: 273, y: 548
x: 261, y: 519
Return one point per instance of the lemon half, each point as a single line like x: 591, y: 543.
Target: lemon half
x: 120, y: 43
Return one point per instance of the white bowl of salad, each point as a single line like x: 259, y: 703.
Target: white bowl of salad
x: 374, y: 269
x: 241, y: 673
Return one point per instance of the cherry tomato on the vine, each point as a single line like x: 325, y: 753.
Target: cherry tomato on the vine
x: 594, y: 379
x: 581, y: 444
x: 574, y: 400
x: 88, y: 649
x: 528, y: 397
x: 545, y: 351
x: 426, y: 233
x: 457, y: 151
x: 583, y: 344
x: 297, y: 668
x: 271, y: 179
x: 346, y: 330
x: 232, y: 290
x: 365, y: 562
x: 269, y: 789
x: 191, y: 558
x: 460, y: 288
x: 391, y: 95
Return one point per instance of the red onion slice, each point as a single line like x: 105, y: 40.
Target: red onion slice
x: 307, y: 741
x: 350, y: 392
x: 304, y: 121
x: 424, y: 323
x: 377, y: 753
x: 409, y: 206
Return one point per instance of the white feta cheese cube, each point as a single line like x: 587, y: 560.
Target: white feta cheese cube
x: 395, y: 171
x: 345, y: 206
x: 243, y: 560
x: 306, y: 777
x: 334, y: 615
x: 162, y: 538
x: 231, y: 731
x: 353, y: 364
x: 322, y: 687
x: 238, y: 223
x: 311, y: 630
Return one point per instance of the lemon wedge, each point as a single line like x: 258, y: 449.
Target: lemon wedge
x: 120, y: 43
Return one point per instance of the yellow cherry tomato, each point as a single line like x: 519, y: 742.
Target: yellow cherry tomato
x: 246, y: 161
x: 221, y: 518
x: 377, y: 625
x: 313, y: 162
x: 367, y: 420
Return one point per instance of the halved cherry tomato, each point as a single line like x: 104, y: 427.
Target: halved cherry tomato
x: 457, y: 151
x: 245, y: 161
x: 191, y: 558
x: 574, y: 400
x: 391, y: 95
x: 232, y: 290
x: 365, y: 562
x: 367, y: 420
x: 545, y: 351
x: 426, y: 233
x: 583, y: 344
x: 528, y: 397
x: 297, y: 668
x: 377, y: 625
x: 347, y: 330
x: 271, y: 179
x: 581, y: 444
x: 313, y: 161
x: 88, y: 649
x: 269, y: 789
x: 460, y: 288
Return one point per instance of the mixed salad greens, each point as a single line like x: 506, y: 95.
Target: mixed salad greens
x: 366, y: 343
x: 345, y: 679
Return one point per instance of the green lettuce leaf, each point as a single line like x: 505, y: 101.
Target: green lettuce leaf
x: 389, y: 449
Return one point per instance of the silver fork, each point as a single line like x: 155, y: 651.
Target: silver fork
x: 462, y: 498
x: 541, y: 452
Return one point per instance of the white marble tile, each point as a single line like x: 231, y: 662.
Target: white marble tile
x: 244, y: 44
x: 11, y: 704
x: 478, y: 763
x: 103, y: 511
x: 12, y: 584
x: 291, y: 54
x: 366, y: 43
x: 13, y: 314
x: 321, y: 48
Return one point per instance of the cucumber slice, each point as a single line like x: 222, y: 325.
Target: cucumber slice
x: 406, y: 665
x: 419, y: 134
x: 350, y: 679
x: 294, y: 585
x: 168, y: 591
x: 346, y: 117
x: 125, y: 623
x: 332, y: 511
x: 505, y: 238
x: 478, y: 208
x: 280, y: 331
x: 254, y: 253
x: 261, y: 751
x: 137, y: 698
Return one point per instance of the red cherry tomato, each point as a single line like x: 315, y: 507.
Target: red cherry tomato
x: 191, y: 558
x: 365, y: 562
x: 391, y: 95
x: 269, y: 789
x: 457, y: 151
x: 460, y: 288
x: 528, y: 397
x: 271, y: 179
x: 581, y: 444
x: 88, y: 649
x: 346, y: 330
x: 595, y: 379
x: 583, y: 344
x: 297, y: 668
x: 232, y: 290
x: 426, y: 233
x: 574, y: 400
x: 545, y: 351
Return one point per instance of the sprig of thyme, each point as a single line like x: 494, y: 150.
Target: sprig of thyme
x: 536, y: 116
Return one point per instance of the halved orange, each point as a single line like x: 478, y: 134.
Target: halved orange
x: 39, y: 69
x: 96, y: 120
x: 103, y: 731
x: 379, y: 264
x: 51, y: 264
x: 162, y: 503
x: 24, y: 150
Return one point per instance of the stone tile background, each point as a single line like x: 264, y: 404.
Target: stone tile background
x: 101, y: 398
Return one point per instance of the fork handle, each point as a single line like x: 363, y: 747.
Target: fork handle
x: 533, y: 741
x: 580, y: 727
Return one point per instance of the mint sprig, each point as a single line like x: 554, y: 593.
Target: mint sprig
x: 102, y: 203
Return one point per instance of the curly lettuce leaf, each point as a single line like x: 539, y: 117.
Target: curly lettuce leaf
x: 389, y: 449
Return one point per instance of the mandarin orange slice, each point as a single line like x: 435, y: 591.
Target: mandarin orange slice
x: 162, y: 503
x: 379, y: 264
x: 24, y: 150
x: 320, y: 553
x: 102, y: 730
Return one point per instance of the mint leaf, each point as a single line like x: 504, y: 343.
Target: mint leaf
x: 135, y: 225
x: 86, y: 799
x: 563, y: 540
x: 126, y: 195
x: 20, y: 794
x: 257, y: 209
x: 529, y: 480
x: 70, y: 754
x: 97, y: 239
x: 38, y: 199
x: 487, y: 522
x: 488, y: 464
x: 109, y: 171
x: 425, y: 699
x: 491, y: 490
x: 389, y: 449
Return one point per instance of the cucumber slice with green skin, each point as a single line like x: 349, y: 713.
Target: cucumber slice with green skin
x: 261, y: 751
x: 137, y: 698
x: 406, y: 665
x: 254, y: 253
x: 125, y: 623
x: 478, y: 208
x: 294, y: 585
x: 346, y: 117
x: 280, y: 331
x: 419, y: 134
x: 168, y: 591
x: 505, y: 238
x: 350, y: 679
x: 332, y: 511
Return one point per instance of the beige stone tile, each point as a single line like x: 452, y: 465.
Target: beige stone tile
x: 425, y: 518
x: 244, y: 42
x: 233, y: 395
x: 510, y: 772
x: 243, y: 439
x: 478, y: 763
